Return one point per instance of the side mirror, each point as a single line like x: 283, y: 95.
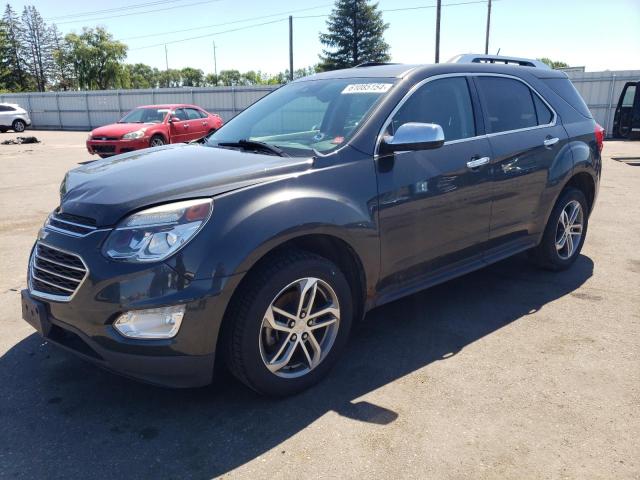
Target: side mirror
x: 413, y: 136
x: 174, y: 119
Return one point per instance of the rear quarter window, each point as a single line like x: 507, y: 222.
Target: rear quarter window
x: 566, y: 90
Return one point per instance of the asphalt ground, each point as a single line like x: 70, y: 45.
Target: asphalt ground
x: 506, y: 373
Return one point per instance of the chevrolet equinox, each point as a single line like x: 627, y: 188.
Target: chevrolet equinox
x: 332, y: 195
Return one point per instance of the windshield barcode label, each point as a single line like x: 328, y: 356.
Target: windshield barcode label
x: 367, y: 88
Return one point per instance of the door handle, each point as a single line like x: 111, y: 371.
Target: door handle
x: 185, y: 125
x: 478, y: 162
x: 549, y: 142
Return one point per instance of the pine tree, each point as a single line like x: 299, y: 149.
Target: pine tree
x: 16, y: 77
x: 36, y: 36
x: 355, y: 35
x: 62, y: 73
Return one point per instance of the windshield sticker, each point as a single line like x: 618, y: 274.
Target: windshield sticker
x: 366, y: 88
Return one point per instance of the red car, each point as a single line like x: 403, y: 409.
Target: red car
x: 152, y: 126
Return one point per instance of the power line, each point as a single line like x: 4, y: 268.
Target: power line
x: 211, y: 34
x: 403, y: 9
x: 225, y: 23
x: 109, y: 10
x: 139, y: 13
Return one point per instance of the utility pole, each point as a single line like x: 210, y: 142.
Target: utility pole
x: 215, y: 61
x: 166, y: 56
x: 486, y: 42
x: 290, y: 48
x: 438, y: 10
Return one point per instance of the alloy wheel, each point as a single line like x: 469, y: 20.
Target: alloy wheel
x: 569, y: 229
x: 299, y: 327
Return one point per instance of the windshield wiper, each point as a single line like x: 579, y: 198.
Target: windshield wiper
x: 254, y: 145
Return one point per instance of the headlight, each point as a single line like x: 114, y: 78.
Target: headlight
x: 136, y: 134
x: 156, y: 233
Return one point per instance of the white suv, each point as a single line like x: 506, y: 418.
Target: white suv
x: 13, y: 117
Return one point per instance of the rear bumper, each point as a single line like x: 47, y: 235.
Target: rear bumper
x: 115, y: 147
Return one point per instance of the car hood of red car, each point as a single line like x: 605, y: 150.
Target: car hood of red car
x: 119, y: 129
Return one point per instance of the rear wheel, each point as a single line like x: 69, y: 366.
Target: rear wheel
x: 19, y: 126
x: 3, y: 129
x: 289, y: 324
x: 156, y: 141
x: 565, y: 232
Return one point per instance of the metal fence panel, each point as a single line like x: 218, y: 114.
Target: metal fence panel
x: 87, y: 110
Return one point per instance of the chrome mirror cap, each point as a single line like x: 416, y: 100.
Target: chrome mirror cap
x: 413, y: 136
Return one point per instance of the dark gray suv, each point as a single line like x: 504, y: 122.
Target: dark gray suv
x: 332, y: 195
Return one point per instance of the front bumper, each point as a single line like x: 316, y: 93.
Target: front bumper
x: 115, y: 147
x: 83, y: 324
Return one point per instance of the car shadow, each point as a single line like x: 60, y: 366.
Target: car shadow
x: 62, y: 417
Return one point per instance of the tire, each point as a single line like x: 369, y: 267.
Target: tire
x: 156, y: 141
x: 19, y: 126
x: 549, y: 254
x: 250, y: 342
x: 3, y: 129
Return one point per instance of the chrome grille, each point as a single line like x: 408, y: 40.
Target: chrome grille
x: 71, y: 224
x: 54, y: 273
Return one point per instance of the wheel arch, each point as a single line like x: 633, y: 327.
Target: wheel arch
x: 584, y: 182
x: 331, y: 247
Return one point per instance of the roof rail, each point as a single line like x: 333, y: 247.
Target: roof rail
x: 373, y: 64
x: 497, y: 59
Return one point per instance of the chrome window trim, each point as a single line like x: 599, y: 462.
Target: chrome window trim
x: 413, y: 89
x: 50, y: 296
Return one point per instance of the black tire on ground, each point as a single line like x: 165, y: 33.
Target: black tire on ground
x: 102, y: 155
x: 546, y: 255
x: 156, y: 141
x: 19, y: 126
x: 242, y: 329
x: 3, y: 129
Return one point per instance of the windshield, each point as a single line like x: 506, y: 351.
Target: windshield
x: 145, y: 115
x: 306, y: 117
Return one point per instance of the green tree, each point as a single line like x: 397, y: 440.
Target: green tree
x: 355, y: 35
x: 554, y: 63
x: 192, y: 77
x: 139, y: 75
x: 171, y: 78
x: 63, y: 77
x: 229, y: 78
x: 96, y: 58
x: 15, y: 76
x: 211, y: 80
x: 36, y: 37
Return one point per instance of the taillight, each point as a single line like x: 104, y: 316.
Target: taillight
x: 599, y: 137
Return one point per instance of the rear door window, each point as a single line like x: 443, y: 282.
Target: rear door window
x: 193, y: 114
x: 446, y: 102
x: 545, y: 116
x: 181, y: 114
x: 507, y: 103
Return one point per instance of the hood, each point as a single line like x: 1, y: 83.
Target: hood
x: 107, y: 190
x: 118, y: 129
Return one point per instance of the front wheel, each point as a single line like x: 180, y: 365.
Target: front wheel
x: 156, y: 141
x: 565, y: 232
x: 289, y: 323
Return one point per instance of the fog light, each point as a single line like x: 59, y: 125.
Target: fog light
x: 152, y: 323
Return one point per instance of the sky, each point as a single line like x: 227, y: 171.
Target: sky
x: 597, y: 34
